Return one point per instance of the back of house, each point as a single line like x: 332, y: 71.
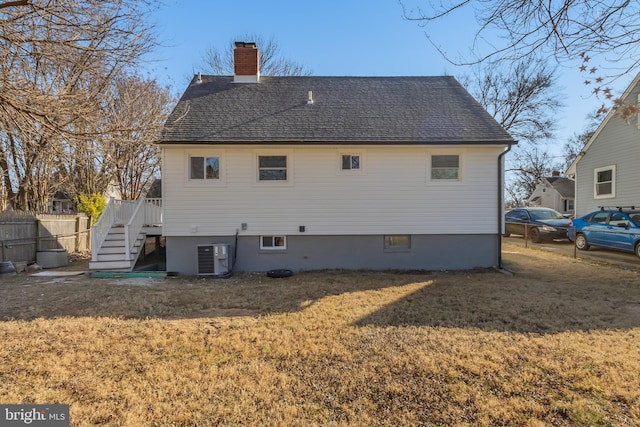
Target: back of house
x: 307, y: 173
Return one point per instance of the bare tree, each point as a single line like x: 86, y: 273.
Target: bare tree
x: 561, y: 29
x: 220, y: 61
x: 603, y: 35
x: 126, y: 157
x: 136, y: 114
x: 522, y: 97
x: 528, y: 167
x: 59, y: 58
x: 577, y: 141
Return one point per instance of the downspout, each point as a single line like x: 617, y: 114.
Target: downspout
x: 500, y: 203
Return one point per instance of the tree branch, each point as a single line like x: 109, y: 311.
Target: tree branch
x: 14, y: 3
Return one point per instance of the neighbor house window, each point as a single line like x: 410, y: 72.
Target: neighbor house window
x: 272, y: 168
x: 568, y: 205
x: 273, y: 242
x: 204, y: 167
x: 350, y: 162
x: 604, y: 182
x: 397, y: 241
x: 445, y: 167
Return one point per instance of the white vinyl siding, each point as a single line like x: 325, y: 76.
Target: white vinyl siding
x: 395, y: 196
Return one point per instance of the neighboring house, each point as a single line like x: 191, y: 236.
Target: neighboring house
x: 554, y: 192
x: 307, y: 173
x: 607, y: 170
x: 113, y: 192
x: 61, y: 203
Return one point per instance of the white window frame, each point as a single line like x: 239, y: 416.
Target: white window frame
x: 273, y: 247
x: 430, y: 168
x: 204, y: 168
x: 610, y: 195
x: 205, y: 182
x: 346, y: 152
x: 288, y: 154
x: 570, y: 204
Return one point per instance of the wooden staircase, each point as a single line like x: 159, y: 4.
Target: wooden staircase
x: 112, y: 254
x: 119, y: 235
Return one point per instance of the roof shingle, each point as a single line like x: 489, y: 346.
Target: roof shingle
x: 347, y: 110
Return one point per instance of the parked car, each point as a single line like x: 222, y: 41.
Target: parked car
x: 608, y: 228
x: 538, y: 223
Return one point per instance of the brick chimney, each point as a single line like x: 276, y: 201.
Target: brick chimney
x: 246, y: 63
x: 555, y: 173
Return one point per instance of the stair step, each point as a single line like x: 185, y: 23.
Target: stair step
x: 111, y: 257
x: 113, y: 250
x: 114, y: 236
x: 111, y: 265
x: 120, y: 243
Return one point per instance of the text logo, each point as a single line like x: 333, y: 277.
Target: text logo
x: 34, y: 415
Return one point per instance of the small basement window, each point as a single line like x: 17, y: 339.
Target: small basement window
x: 273, y: 242
x: 397, y: 241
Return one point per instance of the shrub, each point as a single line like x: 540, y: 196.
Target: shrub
x: 91, y: 205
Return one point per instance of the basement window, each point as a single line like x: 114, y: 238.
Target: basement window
x: 271, y: 243
x: 397, y: 242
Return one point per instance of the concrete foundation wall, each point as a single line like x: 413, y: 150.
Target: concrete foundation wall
x: 427, y: 252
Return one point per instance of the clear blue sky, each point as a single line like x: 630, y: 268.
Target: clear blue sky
x: 333, y: 38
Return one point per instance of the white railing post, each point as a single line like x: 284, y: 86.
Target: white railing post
x: 133, y: 228
x: 153, y: 211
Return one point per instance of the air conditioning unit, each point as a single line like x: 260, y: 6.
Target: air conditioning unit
x: 213, y: 259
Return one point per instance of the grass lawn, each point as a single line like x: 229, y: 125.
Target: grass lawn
x: 558, y: 343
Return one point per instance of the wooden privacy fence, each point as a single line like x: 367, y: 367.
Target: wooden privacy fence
x: 22, y: 235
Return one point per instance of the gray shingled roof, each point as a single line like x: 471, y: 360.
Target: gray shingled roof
x: 351, y: 110
x: 564, y: 186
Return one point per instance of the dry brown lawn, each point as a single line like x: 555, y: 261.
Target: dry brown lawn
x: 558, y: 343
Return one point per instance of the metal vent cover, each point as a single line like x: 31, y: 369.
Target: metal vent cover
x: 206, y: 261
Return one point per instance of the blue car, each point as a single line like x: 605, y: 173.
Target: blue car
x: 608, y: 228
